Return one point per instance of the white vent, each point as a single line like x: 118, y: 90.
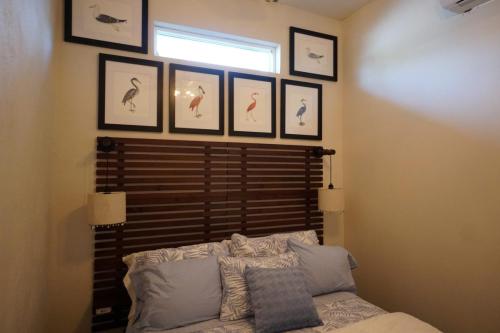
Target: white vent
x: 462, y: 6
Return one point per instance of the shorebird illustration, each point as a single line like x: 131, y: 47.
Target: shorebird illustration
x: 314, y: 56
x: 252, y: 106
x: 130, y: 94
x: 195, y: 103
x: 301, y: 112
x: 106, y: 19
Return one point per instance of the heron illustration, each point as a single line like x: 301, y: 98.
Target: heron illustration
x: 314, y: 56
x: 252, y: 106
x: 195, y: 103
x: 131, y: 94
x: 301, y: 112
x: 106, y: 19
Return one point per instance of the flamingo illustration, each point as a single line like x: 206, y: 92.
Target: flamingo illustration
x: 314, y: 56
x: 106, y: 19
x: 131, y: 94
x: 301, y: 112
x: 195, y: 103
x: 252, y: 106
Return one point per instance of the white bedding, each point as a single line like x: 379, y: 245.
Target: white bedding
x: 389, y: 323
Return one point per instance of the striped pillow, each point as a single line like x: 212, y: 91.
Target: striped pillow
x: 242, y: 246
x: 235, y: 296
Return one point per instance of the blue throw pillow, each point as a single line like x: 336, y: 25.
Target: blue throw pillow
x: 178, y: 293
x: 280, y: 300
x: 327, y: 268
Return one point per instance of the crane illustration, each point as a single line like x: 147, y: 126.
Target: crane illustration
x: 195, y: 103
x: 301, y: 111
x: 252, y: 106
x: 314, y: 56
x: 106, y: 19
x: 131, y: 94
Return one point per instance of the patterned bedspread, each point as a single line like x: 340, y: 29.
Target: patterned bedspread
x: 336, y: 310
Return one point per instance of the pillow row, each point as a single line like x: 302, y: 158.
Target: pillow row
x: 160, y: 277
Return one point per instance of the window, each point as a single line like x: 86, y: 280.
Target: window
x: 180, y: 42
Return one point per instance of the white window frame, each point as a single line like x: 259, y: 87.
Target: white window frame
x: 219, y: 38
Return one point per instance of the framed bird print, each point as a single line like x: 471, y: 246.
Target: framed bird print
x: 130, y: 94
x: 252, y: 105
x: 301, y: 110
x: 196, y: 100
x: 313, y: 54
x: 115, y: 24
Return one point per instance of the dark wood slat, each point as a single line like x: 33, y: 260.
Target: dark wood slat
x: 194, y: 180
x: 101, y: 165
x: 214, y: 221
x: 227, y: 172
x: 269, y: 146
x: 173, y: 150
x: 159, y: 157
x: 200, y: 187
x: 202, y: 228
x: 175, y: 143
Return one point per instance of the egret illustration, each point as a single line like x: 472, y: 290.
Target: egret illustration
x: 252, y: 106
x: 314, y: 56
x: 195, y: 103
x: 301, y: 112
x: 131, y: 94
x: 106, y: 19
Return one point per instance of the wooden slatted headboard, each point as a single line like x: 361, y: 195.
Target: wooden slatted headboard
x: 188, y: 192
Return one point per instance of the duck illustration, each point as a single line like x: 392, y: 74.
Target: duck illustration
x: 314, y: 56
x: 106, y: 19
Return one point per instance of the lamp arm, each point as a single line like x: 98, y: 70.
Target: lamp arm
x: 330, y: 186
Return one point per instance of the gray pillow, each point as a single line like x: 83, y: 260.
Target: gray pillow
x: 173, y: 294
x: 280, y: 299
x: 327, y: 268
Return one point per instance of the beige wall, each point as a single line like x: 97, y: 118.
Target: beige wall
x: 25, y: 122
x: 422, y: 160
x: 75, y: 131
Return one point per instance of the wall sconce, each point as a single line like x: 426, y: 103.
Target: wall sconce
x: 330, y: 199
x: 106, y: 209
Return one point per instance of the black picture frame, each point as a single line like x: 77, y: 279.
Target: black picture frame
x: 69, y: 37
x: 172, y: 88
x: 334, y: 39
x: 101, y: 124
x: 283, y: 133
x: 272, y: 81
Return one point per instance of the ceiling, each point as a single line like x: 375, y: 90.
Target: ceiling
x: 338, y: 9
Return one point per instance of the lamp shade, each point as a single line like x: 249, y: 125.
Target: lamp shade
x: 331, y: 200
x: 107, y: 209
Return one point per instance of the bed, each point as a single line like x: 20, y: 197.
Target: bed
x: 336, y: 310
x: 183, y: 193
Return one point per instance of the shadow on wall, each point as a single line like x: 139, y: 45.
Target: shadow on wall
x: 442, y: 68
x: 422, y: 216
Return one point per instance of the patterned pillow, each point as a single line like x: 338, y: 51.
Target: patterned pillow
x: 242, y: 246
x: 280, y: 300
x: 136, y: 260
x: 174, y: 254
x: 235, y: 297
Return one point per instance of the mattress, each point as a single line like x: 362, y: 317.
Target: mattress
x: 336, y: 310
